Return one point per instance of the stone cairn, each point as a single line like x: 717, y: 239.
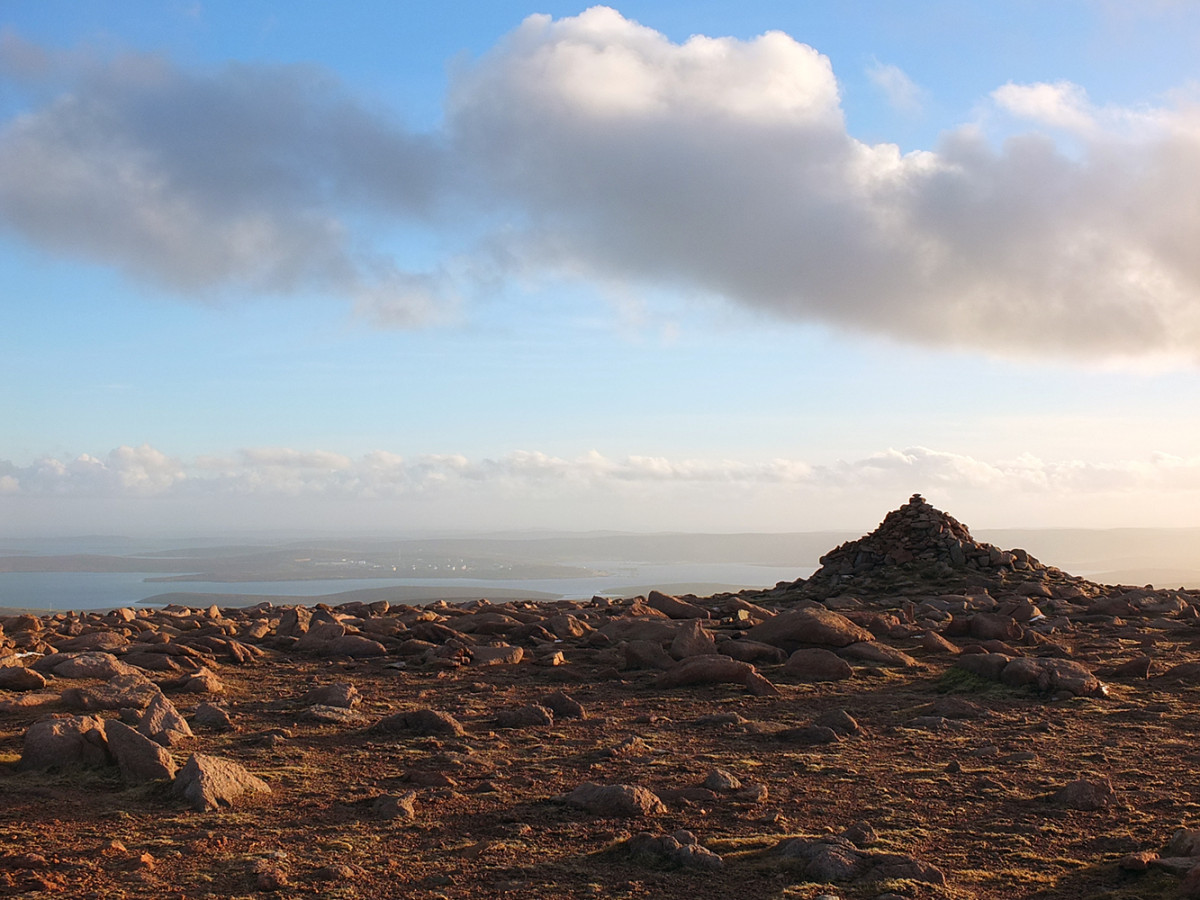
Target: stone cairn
x: 918, y: 542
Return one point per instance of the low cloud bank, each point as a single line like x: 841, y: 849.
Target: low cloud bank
x: 594, y: 147
x: 130, y: 472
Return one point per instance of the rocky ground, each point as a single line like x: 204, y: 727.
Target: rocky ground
x: 926, y: 716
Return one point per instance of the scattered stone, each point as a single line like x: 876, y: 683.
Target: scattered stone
x: 1134, y: 668
x: 630, y: 747
x: 93, y: 665
x: 503, y: 655
x: 1184, y: 842
x: 1138, y: 861
x: 121, y: 692
x: 935, y: 643
x: 646, y: 655
x: 834, y: 859
x: 752, y: 651
x: 715, y: 670
x: 354, y: 646
x: 692, y: 640
x: 808, y: 735
x: 268, y: 875
x: 680, y: 850
x: 861, y: 835
x: 880, y: 654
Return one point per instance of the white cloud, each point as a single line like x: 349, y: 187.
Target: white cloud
x: 1022, y: 250
x: 594, y: 147
x: 1059, y: 105
x: 245, y: 178
x: 901, y: 91
x: 145, y: 471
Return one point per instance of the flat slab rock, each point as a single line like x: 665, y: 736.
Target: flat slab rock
x: 209, y: 782
x: 420, y: 722
x: 838, y: 859
x: 615, y: 800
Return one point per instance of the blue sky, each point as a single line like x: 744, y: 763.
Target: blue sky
x: 660, y: 266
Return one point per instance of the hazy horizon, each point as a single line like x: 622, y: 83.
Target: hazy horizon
x: 754, y: 267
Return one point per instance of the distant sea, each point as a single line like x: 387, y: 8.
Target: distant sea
x: 105, y: 591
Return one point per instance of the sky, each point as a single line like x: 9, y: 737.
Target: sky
x: 412, y: 267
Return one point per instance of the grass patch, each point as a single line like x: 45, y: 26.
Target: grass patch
x: 959, y: 681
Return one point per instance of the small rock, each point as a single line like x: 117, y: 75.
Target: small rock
x: 839, y: 720
x: 1137, y: 862
x: 722, y: 781
x: 531, y: 715
x: 421, y: 722
x: 343, y: 694
x: 162, y: 723
x: 631, y: 746
x: 212, y: 717
x: 1086, y: 795
x: 395, y: 806
x: 861, y: 835
x: 564, y: 706
x: 808, y: 735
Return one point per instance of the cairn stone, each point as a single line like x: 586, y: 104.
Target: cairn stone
x: 916, y: 539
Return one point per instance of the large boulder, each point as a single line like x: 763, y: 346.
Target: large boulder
x: 139, y: 758
x: 60, y: 742
x: 93, y: 665
x: 814, y: 626
x: 208, y: 782
x: 674, y: 607
x: 692, y: 640
x: 163, y: 724
x: 716, y: 670
x: 120, y: 692
x: 817, y: 664
x: 19, y: 678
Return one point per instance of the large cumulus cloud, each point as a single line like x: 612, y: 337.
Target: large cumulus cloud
x: 594, y: 147
x: 247, y: 178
